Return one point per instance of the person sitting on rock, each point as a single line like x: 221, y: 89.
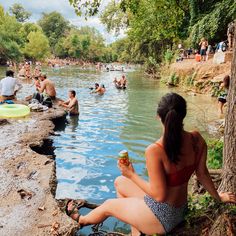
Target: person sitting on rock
x: 8, y: 86
x: 159, y: 204
x: 72, y: 104
x: 47, y: 87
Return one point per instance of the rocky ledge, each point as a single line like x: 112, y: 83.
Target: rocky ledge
x: 28, y: 179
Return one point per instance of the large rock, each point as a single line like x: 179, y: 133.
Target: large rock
x: 222, y: 57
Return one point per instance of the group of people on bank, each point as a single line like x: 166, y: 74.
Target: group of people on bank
x: 44, y: 90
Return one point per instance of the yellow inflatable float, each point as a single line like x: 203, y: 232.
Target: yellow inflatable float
x: 13, y: 110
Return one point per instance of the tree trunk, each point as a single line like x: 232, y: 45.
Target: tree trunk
x: 228, y: 182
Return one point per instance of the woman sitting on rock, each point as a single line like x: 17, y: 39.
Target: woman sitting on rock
x: 158, y: 205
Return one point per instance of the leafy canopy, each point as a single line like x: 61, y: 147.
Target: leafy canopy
x: 54, y: 26
x: 37, y: 47
x: 19, y: 12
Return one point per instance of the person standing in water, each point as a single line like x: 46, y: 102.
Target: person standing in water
x: 72, y: 104
x: 123, y: 81
x: 99, y: 89
x: 158, y: 205
x: 224, y: 87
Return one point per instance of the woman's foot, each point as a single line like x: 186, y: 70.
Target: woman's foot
x: 72, y: 209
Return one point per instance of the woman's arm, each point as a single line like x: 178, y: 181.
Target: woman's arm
x: 156, y: 187
x: 202, y: 171
x: 205, y: 178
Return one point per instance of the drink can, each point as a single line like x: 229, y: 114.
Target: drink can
x: 124, y: 157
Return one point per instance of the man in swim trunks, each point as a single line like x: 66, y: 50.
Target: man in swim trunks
x: 47, y: 87
x: 8, y: 86
x: 203, y: 44
x: 72, y: 104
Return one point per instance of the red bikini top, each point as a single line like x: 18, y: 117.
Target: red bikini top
x: 179, y: 177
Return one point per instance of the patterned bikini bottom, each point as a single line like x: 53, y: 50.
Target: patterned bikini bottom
x: 169, y: 216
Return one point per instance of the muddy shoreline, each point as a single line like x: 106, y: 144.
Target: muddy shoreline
x: 28, y: 179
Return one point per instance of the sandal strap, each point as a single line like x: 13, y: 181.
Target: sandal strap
x: 72, y: 211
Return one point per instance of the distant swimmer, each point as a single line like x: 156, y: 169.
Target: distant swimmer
x: 72, y: 104
x: 99, y: 89
x: 123, y: 81
x: 120, y: 84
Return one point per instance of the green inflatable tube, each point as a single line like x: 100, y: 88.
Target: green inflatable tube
x: 13, y: 110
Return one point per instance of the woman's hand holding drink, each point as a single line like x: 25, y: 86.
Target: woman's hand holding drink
x: 124, y: 158
x: 124, y: 164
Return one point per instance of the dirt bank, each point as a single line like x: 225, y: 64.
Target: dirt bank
x: 27, y: 179
x: 200, y: 77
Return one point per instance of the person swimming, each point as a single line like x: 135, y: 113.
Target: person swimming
x: 99, y: 89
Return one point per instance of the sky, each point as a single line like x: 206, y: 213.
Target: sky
x: 36, y: 7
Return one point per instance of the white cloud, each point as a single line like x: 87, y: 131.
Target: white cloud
x: 36, y: 7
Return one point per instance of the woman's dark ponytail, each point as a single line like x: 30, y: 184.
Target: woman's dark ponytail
x: 172, y: 135
x: 172, y: 110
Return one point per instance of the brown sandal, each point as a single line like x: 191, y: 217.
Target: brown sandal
x: 75, y: 209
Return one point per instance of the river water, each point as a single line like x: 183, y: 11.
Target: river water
x: 87, y: 147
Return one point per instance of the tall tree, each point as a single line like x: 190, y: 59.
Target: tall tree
x: 9, y: 37
x: 19, y: 12
x: 229, y: 168
x: 37, y: 47
x: 54, y: 26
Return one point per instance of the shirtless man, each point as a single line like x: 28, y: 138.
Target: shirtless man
x: 47, y: 87
x: 203, y: 44
x: 72, y: 104
x: 123, y: 81
x: 99, y: 89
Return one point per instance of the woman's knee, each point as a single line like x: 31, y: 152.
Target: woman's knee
x: 119, y: 182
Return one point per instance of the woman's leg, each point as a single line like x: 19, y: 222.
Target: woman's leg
x: 127, y: 188
x: 133, y: 211
x: 221, y: 104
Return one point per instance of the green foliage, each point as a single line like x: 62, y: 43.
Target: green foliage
x: 85, y: 43
x: 173, y: 80
x: 190, y: 79
x: 37, y: 47
x: 114, y: 18
x: 19, y: 12
x: 168, y: 56
x: 199, y: 205
x: 54, y: 26
x: 215, y: 153
x: 153, y: 26
x: 213, y: 25
x: 90, y: 7
x: 9, y: 37
x: 26, y: 29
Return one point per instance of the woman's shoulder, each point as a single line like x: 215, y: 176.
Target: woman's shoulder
x: 155, y: 149
x: 197, y: 137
